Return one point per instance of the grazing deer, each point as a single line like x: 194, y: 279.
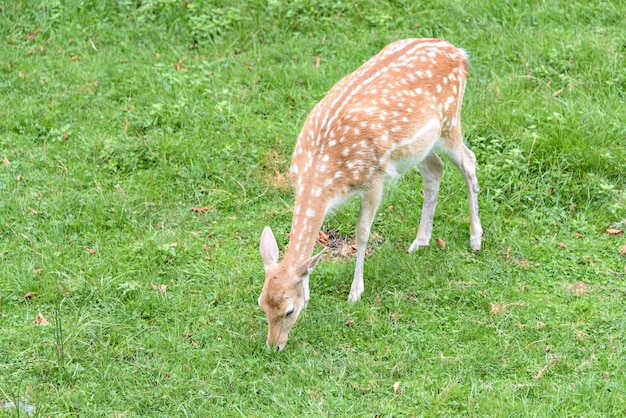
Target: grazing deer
x: 398, y: 110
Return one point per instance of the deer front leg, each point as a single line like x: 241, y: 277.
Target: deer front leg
x: 369, y: 205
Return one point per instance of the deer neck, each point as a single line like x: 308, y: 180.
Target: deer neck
x: 308, y: 217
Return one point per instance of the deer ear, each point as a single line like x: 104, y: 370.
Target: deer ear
x: 307, y: 266
x: 268, y: 248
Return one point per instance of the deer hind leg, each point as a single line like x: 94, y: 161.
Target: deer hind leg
x: 465, y: 160
x: 369, y: 205
x: 431, y: 169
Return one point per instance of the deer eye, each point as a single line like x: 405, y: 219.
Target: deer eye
x: 289, y: 312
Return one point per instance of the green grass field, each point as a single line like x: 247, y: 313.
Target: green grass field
x: 145, y: 145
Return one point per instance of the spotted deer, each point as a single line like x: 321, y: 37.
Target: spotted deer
x: 398, y: 110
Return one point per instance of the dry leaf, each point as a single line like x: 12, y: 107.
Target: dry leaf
x: 318, y: 62
x: 38, y: 271
x: 561, y: 245
x: 206, y: 248
x: 33, y: 211
x: 556, y: 93
x: 349, y: 322
x: 497, y: 309
x: 40, y: 320
x: 29, y: 295
x: 74, y: 58
x: 154, y: 287
x: 441, y: 243
x: 90, y: 250
x: 622, y: 250
x: 578, y: 235
x: 396, y: 387
x: 163, y: 289
x: 613, y: 231
x: 200, y: 210
x: 6, y: 161
x: 323, y: 237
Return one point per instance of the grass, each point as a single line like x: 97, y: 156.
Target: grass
x: 145, y: 146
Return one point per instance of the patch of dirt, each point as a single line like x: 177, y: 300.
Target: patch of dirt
x: 578, y: 289
x: 341, y: 246
x: 275, y: 171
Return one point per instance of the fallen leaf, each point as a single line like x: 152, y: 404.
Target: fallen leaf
x: 90, y: 250
x: 556, y: 93
x: 613, y: 231
x: 38, y: 271
x: 6, y: 161
x: 605, y: 375
x: 74, y: 58
x: 200, y: 210
x: 154, y: 287
x: 561, y: 245
x: 622, y: 250
x: 29, y: 295
x: 206, y: 248
x: 578, y: 235
x: 33, y: 211
x: 318, y: 62
x: 40, y: 320
x: 396, y: 387
x: 441, y: 243
x: 323, y: 237
x: 126, y: 126
x: 163, y: 289
x: 349, y: 322
x: 497, y: 309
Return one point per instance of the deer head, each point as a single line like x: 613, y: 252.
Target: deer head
x: 285, y: 291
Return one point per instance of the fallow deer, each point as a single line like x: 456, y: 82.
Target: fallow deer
x: 398, y: 110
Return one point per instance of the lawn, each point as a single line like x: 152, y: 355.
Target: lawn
x: 145, y: 145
